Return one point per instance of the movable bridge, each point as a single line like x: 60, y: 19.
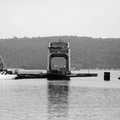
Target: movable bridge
x: 58, y: 49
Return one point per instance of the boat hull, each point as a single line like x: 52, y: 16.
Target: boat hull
x: 7, y: 77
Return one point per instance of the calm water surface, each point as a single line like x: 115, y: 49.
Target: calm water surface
x: 78, y: 99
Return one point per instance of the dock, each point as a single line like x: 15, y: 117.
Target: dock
x: 52, y: 76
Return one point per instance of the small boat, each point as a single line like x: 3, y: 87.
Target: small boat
x: 7, y: 76
x: 4, y: 73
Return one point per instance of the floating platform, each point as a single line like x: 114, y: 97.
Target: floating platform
x: 53, y: 76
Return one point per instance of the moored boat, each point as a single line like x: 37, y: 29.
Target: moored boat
x: 7, y: 77
x: 4, y: 73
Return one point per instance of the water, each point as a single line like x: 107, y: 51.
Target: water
x: 78, y: 99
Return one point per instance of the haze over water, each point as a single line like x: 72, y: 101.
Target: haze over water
x: 78, y: 99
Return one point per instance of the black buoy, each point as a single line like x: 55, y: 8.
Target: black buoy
x: 107, y: 76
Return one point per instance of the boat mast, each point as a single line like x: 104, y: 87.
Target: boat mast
x: 2, y: 64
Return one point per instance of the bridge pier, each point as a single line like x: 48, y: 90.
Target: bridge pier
x: 59, y: 49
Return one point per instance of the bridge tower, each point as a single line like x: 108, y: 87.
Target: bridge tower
x: 59, y: 49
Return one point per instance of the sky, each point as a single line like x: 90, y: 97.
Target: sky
x: 34, y: 18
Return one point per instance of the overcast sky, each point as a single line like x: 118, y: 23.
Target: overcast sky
x: 33, y: 18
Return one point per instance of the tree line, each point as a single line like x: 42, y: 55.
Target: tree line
x: 86, y: 52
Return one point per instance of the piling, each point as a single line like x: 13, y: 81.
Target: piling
x: 107, y: 76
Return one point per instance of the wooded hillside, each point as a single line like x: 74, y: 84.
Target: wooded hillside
x: 86, y: 52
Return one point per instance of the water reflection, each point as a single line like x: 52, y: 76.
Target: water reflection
x: 58, y: 100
